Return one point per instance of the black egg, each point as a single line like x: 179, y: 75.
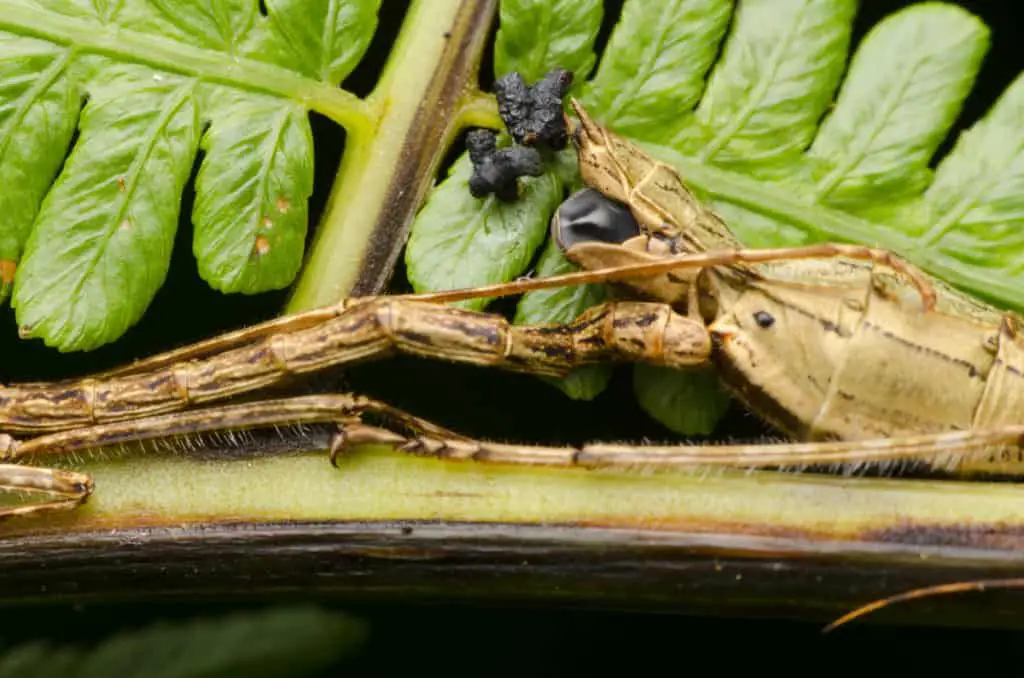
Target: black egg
x: 589, y: 216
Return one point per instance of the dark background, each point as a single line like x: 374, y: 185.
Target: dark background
x: 459, y: 639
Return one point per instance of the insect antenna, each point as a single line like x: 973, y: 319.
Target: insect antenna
x: 977, y: 585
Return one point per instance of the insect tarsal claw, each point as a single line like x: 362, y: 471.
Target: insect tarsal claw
x: 84, y: 486
x: 339, y: 444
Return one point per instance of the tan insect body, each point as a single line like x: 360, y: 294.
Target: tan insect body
x: 845, y: 347
x: 850, y: 353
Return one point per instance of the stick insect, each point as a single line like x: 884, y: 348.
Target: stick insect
x: 794, y: 332
x: 853, y: 352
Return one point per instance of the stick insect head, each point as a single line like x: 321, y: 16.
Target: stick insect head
x: 596, y: 232
x: 636, y: 210
x: 601, y: 159
x: 666, y: 210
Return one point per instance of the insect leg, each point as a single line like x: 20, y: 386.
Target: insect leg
x: 345, y: 410
x: 225, y: 341
x: 925, y: 592
x: 941, y: 449
x: 369, y: 328
x: 916, y: 276
x: 616, y: 331
x: 72, y: 488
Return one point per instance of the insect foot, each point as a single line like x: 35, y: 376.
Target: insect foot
x: 357, y: 433
x: 71, y: 489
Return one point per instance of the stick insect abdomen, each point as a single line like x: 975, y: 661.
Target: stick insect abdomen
x: 907, y: 372
x: 1002, y: 402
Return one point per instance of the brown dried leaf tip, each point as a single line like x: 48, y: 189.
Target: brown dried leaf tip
x: 7, y: 269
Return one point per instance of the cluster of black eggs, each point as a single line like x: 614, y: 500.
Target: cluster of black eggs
x: 533, y: 117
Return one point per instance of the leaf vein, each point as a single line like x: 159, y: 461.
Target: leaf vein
x: 955, y: 213
x: 135, y: 169
x: 266, y: 167
x: 879, y: 125
x: 169, y: 55
x: 756, y: 97
x: 327, y: 40
x: 634, y: 84
x: 40, y: 87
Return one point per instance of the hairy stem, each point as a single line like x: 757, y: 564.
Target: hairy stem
x: 239, y: 523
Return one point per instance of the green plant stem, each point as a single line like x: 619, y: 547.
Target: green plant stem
x: 88, y: 37
x: 390, y: 525
x: 479, y: 110
x: 419, y: 106
x: 376, y: 483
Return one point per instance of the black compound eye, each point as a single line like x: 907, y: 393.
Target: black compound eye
x: 764, y: 319
x: 588, y: 216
